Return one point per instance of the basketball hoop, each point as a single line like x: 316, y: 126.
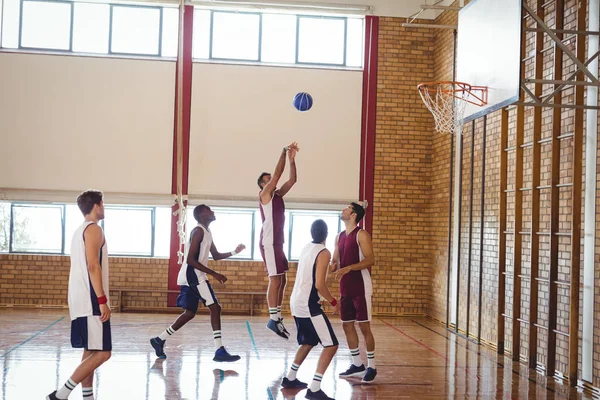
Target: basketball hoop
x: 448, y: 100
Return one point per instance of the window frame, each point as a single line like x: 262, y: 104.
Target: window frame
x: 212, y: 30
x: 239, y: 210
x: 110, y: 30
x: 72, y: 19
x: 152, y: 210
x: 63, y: 211
x: 345, y: 19
x: 307, y: 212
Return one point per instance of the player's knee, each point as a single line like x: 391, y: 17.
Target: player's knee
x: 365, y: 327
x: 105, y: 356
x: 348, y: 326
x: 189, y: 314
x: 215, y: 308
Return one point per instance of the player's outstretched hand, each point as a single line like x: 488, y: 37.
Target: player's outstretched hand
x: 341, y: 272
x: 240, y: 248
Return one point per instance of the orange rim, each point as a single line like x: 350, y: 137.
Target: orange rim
x: 477, y: 94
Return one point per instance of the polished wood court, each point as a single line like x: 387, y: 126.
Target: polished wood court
x: 416, y: 358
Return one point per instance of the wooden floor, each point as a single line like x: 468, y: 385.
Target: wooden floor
x: 415, y: 357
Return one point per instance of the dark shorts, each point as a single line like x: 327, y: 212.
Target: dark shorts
x: 90, y: 334
x: 190, y: 296
x: 314, y: 330
x: 357, y: 308
x: 274, y: 259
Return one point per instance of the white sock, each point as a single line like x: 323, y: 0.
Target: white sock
x: 167, y: 333
x: 293, y: 371
x: 371, y: 358
x: 273, y: 313
x: 65, y: 391
x: 279, y: 312
x: 88, y: 393
x: 315, y: 385
x: 356, y: 360
x: 217, y: 338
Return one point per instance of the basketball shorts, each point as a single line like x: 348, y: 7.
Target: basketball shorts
x: 190, y: 296
x: 90, y: 333
x: 274, y: 259
x: 356, y: 308
x: 314, y: 330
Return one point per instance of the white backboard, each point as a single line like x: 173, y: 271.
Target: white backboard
x: 489, y: 52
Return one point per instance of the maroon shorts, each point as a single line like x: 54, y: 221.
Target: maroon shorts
x: 274, y: 259
x: 357, y: 308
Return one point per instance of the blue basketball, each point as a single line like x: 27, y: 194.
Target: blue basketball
x: 303, y: 101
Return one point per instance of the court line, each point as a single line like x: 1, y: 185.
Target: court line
x: 32, y: 337
x: 270, y: 394
x: 252, y: 339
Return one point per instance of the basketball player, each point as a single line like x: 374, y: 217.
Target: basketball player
x: 313, y: 325
x: 272, y: 211
x: 195, y: 288
x: 87, y: 296
x: 352, y: 259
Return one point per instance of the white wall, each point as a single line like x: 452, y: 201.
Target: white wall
x: 71, y: 123
x: 243, y: 115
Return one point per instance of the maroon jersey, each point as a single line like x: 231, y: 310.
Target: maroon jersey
x: 354, y: 283
x: 273, y: 219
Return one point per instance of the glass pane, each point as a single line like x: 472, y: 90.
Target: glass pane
x: 128, y: 231
x: 37, y: 229
x: 170, y: 32
x: 10, y: 23
x: 231, y: 228
x: 90, y: 27
x: 321, y: 40
x: 201, y: 40
x: 355, y: 42
x: 162, y: 232
x: 235, y: 36
x: 301, y: 230
x: 46, y: 25
x: 4, y: 227
x: 278, y: 38
x: 74, y: 220
x: 135, y: 30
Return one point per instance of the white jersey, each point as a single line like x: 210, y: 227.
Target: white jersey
x: 188, y: 275
x: 304, y: 301
x: 83, y: 300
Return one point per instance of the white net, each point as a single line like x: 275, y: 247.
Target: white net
x: 447, y: 102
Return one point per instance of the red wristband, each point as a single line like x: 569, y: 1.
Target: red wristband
x: 102, y: 300
x: 333, y: 303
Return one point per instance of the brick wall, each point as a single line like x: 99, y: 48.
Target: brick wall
x: 401, y: 222
x: 439, y: 207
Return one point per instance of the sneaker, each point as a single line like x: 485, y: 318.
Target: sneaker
x: 370, y: 375
x: 159, y: 347
x: 319, y: 395
x: 353, y: 371
x: 274, y: 326
x: 282, y: 327
x: 295, y: 384
x: 221, y: 355
x: 52, y: 396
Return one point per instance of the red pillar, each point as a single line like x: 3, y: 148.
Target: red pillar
x: 369, y: 107
x: 186, y: 61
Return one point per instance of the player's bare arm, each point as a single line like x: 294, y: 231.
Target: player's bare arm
x: 221, y: 256
x: 293, y: 178
x: 93, y: 243
x: 192, y: 258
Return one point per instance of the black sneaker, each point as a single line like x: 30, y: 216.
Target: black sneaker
x: 295, y: 384
x: 274, y: 326
x: 159, y: 347
x: 52, y: 396
x: 282, y: 327
x: 221, y: 355
x: 370, y: 375
x: 353, y: 371
x: 319, y: 395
